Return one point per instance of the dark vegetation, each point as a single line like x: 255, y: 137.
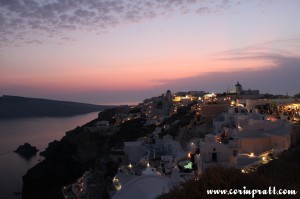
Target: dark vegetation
x: 182, y: 118
x: 16, y: 107
x: 286, y: 169
x: 130, y: 131
x: 283, y: 173
x: 109, y: 114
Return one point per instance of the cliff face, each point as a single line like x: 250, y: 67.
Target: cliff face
x: 45, y: 180
x: 59, y: 168
x: 66, y: 160
x: 76, y: 152
x: 14, y: 107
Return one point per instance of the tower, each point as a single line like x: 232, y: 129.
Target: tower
x: 238, y: 88
x: 228, y: 90
x: 169, y: 96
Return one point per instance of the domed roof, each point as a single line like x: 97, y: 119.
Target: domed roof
x: 148, y: 187
x: 238, y: 84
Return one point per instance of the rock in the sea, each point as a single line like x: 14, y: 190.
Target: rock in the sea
x: 26, y: 150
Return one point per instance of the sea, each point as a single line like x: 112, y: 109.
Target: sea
x: 36, y: 131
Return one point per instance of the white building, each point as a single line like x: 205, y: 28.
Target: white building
x: 135, y: 151
x: 215, y: 152
x: 236, y: 117
x: 264, y: 135
x: 146, y: 187
x: 172, y: 147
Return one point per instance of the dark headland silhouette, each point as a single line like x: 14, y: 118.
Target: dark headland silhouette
x: 18, y: 107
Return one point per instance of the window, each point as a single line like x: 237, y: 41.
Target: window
x: 214, y: 156
x: 235, y: 152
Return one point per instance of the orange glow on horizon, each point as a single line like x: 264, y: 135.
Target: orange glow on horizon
x: 133, y: 76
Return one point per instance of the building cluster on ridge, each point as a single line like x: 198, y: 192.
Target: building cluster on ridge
x: 238, y: 128
x: 238, y: 89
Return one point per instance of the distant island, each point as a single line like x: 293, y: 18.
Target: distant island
x: 18, y: 107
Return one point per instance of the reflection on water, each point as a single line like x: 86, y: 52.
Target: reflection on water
x: 36, y: 131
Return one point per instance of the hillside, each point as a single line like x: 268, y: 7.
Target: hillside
x: 282, y: 173
x: 17, y: 107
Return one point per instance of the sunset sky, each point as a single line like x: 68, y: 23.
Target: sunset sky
x: 119, y: 51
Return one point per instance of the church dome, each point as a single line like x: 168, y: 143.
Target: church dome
x: 238, y: 88
x: 238, y: 84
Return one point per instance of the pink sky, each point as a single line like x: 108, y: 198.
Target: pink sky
x: 71, y: 51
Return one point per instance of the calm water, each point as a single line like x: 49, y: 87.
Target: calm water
x: 36, y: 131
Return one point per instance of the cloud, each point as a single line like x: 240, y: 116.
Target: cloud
x: 278, y: 80
x: 279, y: 74
x: 203, y: 10
x: 55, y: 17
x: 34, y: 41
x: 268, y: 51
